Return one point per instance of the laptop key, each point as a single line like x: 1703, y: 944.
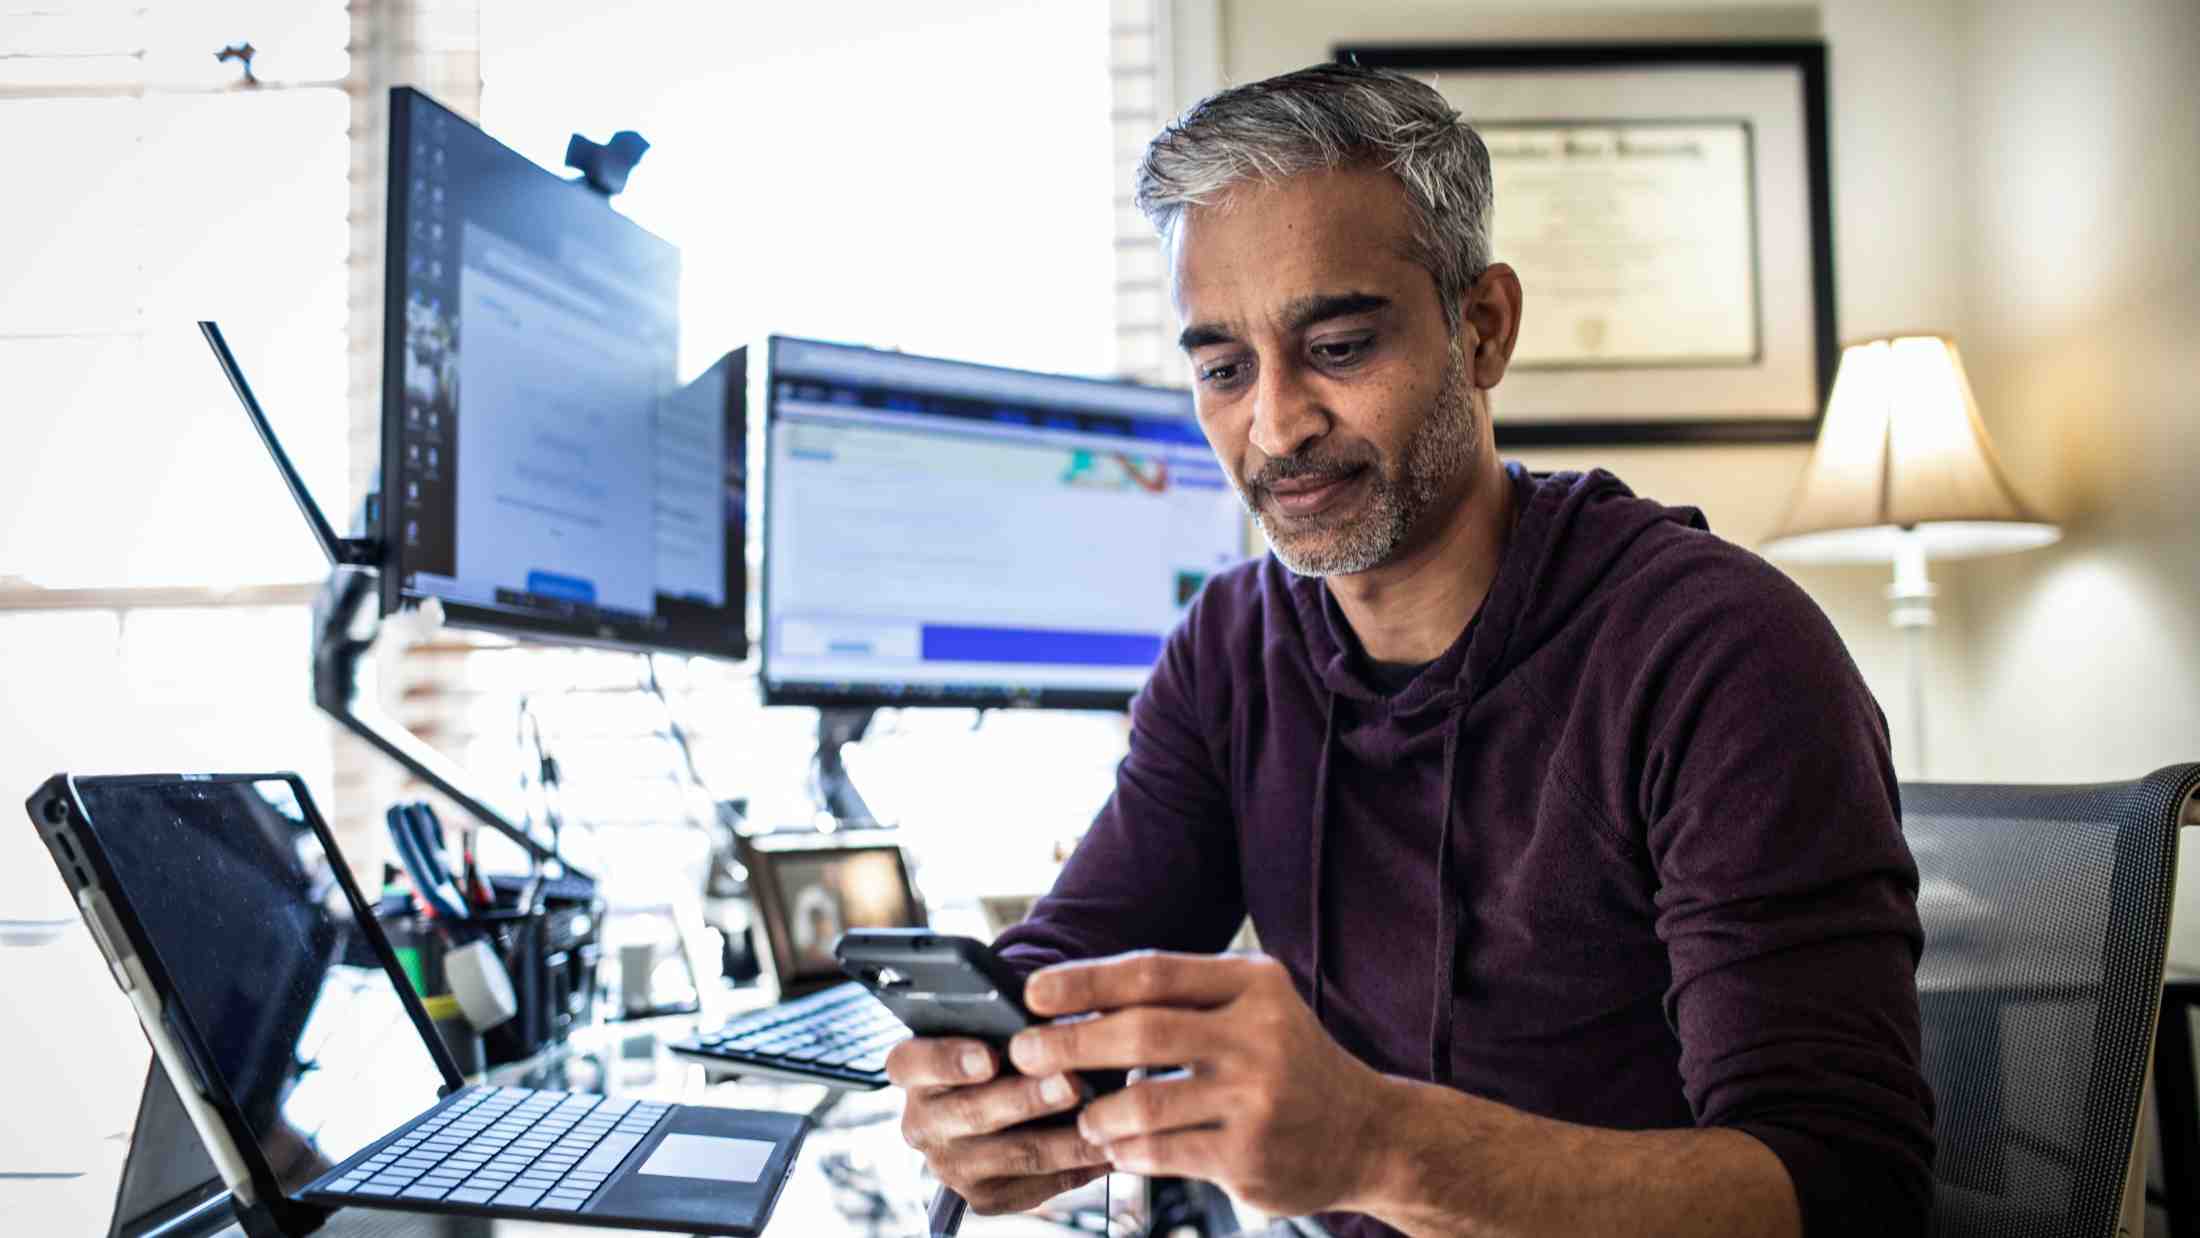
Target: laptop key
x: 375, y: 1188
x: 470, y: 1195
x: 418, y: 1191
x: 562, y: 1203
x: 518, y: 1197
x: 610, y: 1152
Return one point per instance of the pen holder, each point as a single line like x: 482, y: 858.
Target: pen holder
x: 551, y: 952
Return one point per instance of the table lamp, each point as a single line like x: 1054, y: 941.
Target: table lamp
x: 1903, y: 472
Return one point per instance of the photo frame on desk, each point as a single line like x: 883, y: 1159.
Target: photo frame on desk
x: 1668, y: 209
x: 809, y: 888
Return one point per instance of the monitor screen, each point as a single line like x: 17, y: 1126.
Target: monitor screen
x: 939, y: 532
x: 544, y: 473
x: 240, y: 902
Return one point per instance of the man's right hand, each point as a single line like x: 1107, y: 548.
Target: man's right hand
x: 959, y: 1113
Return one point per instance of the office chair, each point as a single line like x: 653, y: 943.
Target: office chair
x: 2046, y: 913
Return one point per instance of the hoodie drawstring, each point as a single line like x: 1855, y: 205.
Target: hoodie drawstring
x: 1447, y: 907
x: 1447, y: 917
x: 1321, y: 822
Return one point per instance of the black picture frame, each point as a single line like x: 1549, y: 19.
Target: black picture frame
x: 1806, y: 60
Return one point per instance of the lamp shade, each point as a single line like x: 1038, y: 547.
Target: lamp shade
x: 1902, y: 449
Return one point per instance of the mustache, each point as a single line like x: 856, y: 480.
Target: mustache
x: 1328, y: 466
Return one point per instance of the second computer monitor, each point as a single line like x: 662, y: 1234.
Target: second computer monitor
x: 944, y: 533
x: 544, y: 473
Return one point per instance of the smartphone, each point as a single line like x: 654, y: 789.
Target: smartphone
x: 943, y: 985
x: 938, y: 984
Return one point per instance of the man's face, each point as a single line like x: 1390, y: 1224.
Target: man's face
x: 1325, y: 377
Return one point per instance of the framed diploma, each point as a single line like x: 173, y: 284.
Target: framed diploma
x: 1667, y: 209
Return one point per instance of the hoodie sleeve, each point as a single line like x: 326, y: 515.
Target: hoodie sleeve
x: 1159, y: 867
x: 1787, y: 899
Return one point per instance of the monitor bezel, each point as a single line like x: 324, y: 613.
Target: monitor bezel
x: 878, y: 695
x: 590, y: 633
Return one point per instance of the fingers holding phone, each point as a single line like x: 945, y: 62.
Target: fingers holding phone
x: 984, y: 1133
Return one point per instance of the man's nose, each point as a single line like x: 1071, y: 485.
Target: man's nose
x: 1286, y: 414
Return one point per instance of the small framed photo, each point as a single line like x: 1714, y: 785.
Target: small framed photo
x: 810, y: 888
x: 1668, y: 211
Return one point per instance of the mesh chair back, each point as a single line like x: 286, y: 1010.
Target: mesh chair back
x: 2046, y: 915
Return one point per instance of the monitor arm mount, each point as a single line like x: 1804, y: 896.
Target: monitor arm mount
x: 345, y: 624
x: 837, y: 727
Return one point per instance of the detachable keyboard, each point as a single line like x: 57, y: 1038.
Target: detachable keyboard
x: 504, y: 1148
x: 839, y: 1036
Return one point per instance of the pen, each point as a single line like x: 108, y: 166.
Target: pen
x: 946, y: 1215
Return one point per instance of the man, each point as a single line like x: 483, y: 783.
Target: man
x: 1569, y: 829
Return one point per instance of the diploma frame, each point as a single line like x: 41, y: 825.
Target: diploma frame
x: 1778, y: 90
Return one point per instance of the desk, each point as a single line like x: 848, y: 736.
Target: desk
x: 854, y: 1175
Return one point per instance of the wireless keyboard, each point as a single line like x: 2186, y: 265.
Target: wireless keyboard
x: 838, y: 1036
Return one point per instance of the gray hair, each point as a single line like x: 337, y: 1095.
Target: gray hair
x: 1327, y: 117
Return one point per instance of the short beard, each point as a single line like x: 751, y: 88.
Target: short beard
x: 1440, y: 452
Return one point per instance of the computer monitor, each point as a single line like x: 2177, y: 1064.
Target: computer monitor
x: 544, y: 474
x: 944, y: 533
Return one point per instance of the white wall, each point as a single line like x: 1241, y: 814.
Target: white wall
x: 2086, y: 205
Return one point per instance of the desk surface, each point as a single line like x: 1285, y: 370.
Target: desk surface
x: 853, y: 1176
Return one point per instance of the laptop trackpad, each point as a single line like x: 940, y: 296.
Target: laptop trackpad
x: 710, y: 1156
x: 707, y: 1169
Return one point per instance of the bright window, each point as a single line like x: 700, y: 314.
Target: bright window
x: 149, y: 189
x: 927, y: 177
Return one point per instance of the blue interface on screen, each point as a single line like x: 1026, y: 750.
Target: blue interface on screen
x: 942, y: 531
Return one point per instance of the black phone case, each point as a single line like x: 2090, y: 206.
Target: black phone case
x: 938, y: 984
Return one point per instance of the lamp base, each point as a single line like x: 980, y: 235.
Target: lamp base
x: 1911, y: 611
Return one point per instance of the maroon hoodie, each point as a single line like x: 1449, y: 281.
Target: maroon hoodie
x: 1627, y: 854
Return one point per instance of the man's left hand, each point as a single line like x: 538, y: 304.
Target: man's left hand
x: 1268, y: 1106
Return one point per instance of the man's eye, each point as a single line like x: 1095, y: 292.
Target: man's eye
x: 1220, y: 374
x: 1340, y: 352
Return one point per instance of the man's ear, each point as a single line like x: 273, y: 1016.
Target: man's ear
x: 1492, y: 308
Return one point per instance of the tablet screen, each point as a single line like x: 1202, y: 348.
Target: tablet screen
x: 241, y: 905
